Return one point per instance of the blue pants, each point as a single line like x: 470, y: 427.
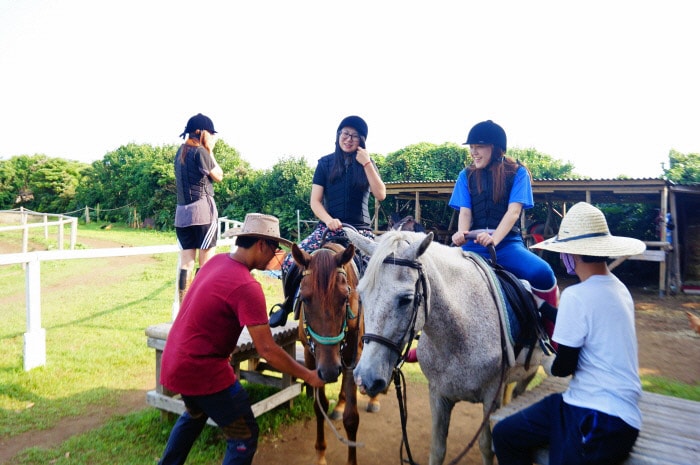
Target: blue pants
x: 230, y: 409
x: 512, y: 255
x: 575, y: 435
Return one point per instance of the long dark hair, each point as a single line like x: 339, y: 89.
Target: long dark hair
x: 500, y: 167
x: 358, y: 176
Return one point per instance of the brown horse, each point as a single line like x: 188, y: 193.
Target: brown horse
x: 331, y: 328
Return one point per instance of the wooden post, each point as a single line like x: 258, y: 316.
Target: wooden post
x: 35, y: 337
x: 60, y: 233
x: 73, y: 232
x: 662, y: 265
x: 87, y: 215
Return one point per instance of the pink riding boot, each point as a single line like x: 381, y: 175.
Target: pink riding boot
x: 551, y: 296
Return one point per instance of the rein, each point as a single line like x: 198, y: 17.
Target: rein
x: 420, y: 296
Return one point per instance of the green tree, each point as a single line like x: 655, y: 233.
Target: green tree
x: 39, y: 183
x: 683, y: 168
x: 280, y: 191
x: 543, y: 166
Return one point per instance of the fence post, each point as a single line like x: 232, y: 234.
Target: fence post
x: 46, y: 226
x: 25, y: 231
x: 87, y: 215
x: 35, y: 337
x: 73, y: 232
x: 60, y: 232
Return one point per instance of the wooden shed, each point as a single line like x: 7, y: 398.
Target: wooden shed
x: 678, y: 263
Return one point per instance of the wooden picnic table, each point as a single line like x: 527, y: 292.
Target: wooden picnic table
x: 285, y: 336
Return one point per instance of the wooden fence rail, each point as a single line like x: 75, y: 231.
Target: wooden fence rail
x: 35, y: 337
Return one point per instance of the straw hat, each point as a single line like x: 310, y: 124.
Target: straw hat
x: 584, y: 231
x: 259, y: 225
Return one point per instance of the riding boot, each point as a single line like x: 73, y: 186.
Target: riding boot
x: 411, y: 356
x: 184, y: 281
x: 551, y: 296
x: 292, y: 279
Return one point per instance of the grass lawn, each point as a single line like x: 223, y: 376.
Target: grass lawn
x: 94, y: 312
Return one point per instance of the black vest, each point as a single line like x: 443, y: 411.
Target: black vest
x: 192, y: 185
x: 485, y: 212
x: 341, y: 199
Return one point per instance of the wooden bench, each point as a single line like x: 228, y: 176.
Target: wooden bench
x: 286, y: 337
x: 670, y: 431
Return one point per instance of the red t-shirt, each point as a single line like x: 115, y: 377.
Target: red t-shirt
x: 222, y: 299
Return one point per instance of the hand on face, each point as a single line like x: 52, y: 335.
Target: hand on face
x: 362, y: 156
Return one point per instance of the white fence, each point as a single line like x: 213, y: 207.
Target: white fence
x: 25, y: 226
x: 35, y: 337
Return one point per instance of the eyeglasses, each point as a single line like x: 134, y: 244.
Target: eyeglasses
x: 345, y: 135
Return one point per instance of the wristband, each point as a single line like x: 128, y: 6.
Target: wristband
x: 367, y: 163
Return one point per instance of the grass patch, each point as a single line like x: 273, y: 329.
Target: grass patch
x: 95, y: 312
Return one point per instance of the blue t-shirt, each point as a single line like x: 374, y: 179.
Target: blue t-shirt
x: 521, y: 191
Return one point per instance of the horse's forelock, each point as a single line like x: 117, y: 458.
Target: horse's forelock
x: 387, y: 245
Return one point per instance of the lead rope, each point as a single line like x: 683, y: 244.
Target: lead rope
x: 403, y: 414
x: 345, y: 441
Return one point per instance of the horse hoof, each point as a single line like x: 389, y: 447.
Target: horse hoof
x: 373, y: 408
x: 336, y: 415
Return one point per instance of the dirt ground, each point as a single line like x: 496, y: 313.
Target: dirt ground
x: 667, y: 347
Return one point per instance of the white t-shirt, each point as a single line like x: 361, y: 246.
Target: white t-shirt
x: 597, y: 315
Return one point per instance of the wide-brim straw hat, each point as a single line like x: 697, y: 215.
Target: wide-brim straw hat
x: 584, y: 231
x: 259, y: 225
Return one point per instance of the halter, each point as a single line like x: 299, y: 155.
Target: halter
x: 312, y: 336
x: 420, y: 295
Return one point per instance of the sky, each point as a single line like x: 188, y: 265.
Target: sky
x: 610, y: 86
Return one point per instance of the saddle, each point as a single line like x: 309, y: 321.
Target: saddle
x: 523, y: 307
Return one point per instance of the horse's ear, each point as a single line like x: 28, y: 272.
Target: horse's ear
x: 347, y: 255
x: 424, y: 244
x: 301, y: 256
x: 367, y: 246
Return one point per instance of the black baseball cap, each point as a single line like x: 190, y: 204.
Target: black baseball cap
x: 199, y: 122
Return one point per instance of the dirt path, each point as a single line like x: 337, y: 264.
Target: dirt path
x: 667, y: 347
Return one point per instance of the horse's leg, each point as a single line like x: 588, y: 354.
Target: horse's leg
x: 441, y: 409
x: 374, y: 405
x: 351, y: 416
x: 339, y: 408
x: 320, y: 425
x: 490, y: 394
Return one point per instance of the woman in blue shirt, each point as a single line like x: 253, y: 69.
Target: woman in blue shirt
x: 490, y: 195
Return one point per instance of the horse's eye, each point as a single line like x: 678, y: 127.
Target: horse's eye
x: 405, y: 300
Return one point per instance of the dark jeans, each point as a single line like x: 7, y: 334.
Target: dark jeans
x: 575, y: 435
x: 230, y: 410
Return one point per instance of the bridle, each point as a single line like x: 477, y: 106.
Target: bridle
x: 420, y: 296
x: 401, y: 348
x: 312, y: 337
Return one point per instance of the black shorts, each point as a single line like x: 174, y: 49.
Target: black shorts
x: 201, y: 236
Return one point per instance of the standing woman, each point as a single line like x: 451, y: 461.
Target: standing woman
x: 490, y: 194
x: 196, y: 216
x: 340, y: 192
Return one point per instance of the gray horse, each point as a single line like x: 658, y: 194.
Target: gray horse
x: 414, y: 285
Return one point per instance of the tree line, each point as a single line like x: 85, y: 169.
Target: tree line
x: 138, y: 179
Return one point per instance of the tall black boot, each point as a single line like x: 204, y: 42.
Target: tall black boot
x: 184, y: 281
x: 280, y: 312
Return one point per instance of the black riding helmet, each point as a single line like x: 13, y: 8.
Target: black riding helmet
x: 487, y: 132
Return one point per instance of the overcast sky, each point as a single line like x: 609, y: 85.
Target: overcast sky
x: 611, y: 86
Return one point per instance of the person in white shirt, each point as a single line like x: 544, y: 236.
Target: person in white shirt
x: 597, y: 419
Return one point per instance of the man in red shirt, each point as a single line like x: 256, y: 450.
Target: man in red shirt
x: 223, y: 299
